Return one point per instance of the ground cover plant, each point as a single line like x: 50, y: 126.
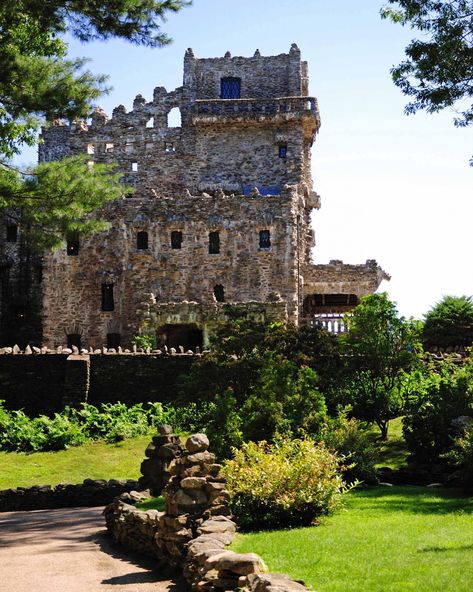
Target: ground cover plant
x: 393, y: 539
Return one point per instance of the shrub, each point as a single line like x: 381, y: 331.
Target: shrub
x: 287, y: 483
x: 347, y: 438
x: 437, y: 395
x: 450, y: 322
x: 461, y: 457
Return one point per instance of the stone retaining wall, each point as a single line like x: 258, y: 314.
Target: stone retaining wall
x: 92, y: 492
x: 193, y: 532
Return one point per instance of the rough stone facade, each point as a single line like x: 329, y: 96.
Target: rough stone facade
x: 220, y: 211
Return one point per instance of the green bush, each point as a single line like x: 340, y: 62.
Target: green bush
x: 449, y: 322
x: 287, y: 483
x: 436, y: 396
x: 461, y: 457
x: 347, y: 438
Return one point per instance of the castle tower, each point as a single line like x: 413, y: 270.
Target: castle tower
x: 220, y: 214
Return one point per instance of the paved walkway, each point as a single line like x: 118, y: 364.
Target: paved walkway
x: 69, y: 551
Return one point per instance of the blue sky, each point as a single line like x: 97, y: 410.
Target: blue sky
x: 394, y: 188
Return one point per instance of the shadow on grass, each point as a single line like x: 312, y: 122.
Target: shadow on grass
x: 444, y: 549
x: 414, y: 500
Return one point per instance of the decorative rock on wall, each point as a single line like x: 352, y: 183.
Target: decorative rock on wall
x: 196, y: 527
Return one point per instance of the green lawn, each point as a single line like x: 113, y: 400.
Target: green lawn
x: 392, y: 452
x: 95, y: 460
x: 388, y: 539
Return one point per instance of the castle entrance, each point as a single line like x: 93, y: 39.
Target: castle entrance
x: 189, y: 336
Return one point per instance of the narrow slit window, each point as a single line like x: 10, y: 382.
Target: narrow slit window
x: 113, y: 340
x: 230, y: 88
x: 142, y: 241
x: 219, y: 293
x: 176, y: 239
x: 214, y: 243
x: 74, y: 339
x: 108, y: 303
x: 134, y: 167
x: 72, y: 244
x: 12, y: 233
x: 264, y: 239
x: 283, y: 151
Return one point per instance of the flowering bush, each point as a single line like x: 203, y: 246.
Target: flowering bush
x: 287, y: 483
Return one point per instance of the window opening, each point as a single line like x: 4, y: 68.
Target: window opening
x: 129, y: 147
x: 142, y: 240
x: 90, y: 149
x: 134, y: 167
x: 176, y: 239
x: 219, y: 293
x: 264, y: 239
x: 150, y: 122
x: 169, y: 147
x: 230, y: 88
x: 174, y: 117
x: 109, y: 147
x: 283, y: 151
x: 72, y: 245
x: 12, y: 233
x: 214, y: 243
x: 113, y: 340
x: 108, y: 303
x: 73, y: 339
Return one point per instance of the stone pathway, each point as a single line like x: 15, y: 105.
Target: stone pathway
x: 69, y: 551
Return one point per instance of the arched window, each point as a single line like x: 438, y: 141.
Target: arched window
x: 174, y: 117
x: 113, y: 340
x: 264, y: 239
x: 142, y: 240
x: 73, y: 339
x: 214, y: 243
x: 108, y: 303
x: 219, y: 293
x: 230, y: 88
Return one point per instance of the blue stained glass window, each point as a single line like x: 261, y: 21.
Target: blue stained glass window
x: 230, y: 88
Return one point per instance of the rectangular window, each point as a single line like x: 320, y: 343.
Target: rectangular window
x: 176, y: 239
x: 214, y: 243
x: 134, y: 167
x: 72, y: 245
x: 283, y: 151
x: 109, y: 147
x: 108, y: 303
x: 264, y: 239
x: 73, y: 339
x: 230, y: 88
x: 12, y: 233
x: 142, y: 240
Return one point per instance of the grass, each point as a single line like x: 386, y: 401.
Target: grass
x: 388, y: 539
x: 95, y: 460
x: 154, y: 503
x: 393, y: 452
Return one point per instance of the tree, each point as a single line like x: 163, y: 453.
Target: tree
x: 38, y: 83
x: 379, y: 347
x: 438, y: 71
x: 449, y: 322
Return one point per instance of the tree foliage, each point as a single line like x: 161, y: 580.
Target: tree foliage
x: 57, y: 198
x: 438, y: 71
x: 450, y: 322
x: 379, y: 347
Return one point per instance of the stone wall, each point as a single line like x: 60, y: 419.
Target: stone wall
x: 92, y: 492
x: 193, y: 532
x: 44, y: 382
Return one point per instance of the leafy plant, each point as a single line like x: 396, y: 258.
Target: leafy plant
x: 287, y: 483
x: 449, y: 322
x: 144, y: 341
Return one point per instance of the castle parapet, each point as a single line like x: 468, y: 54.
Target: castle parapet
x: 284, y: 108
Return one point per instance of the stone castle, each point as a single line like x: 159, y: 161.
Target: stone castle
x: 219, y: 217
